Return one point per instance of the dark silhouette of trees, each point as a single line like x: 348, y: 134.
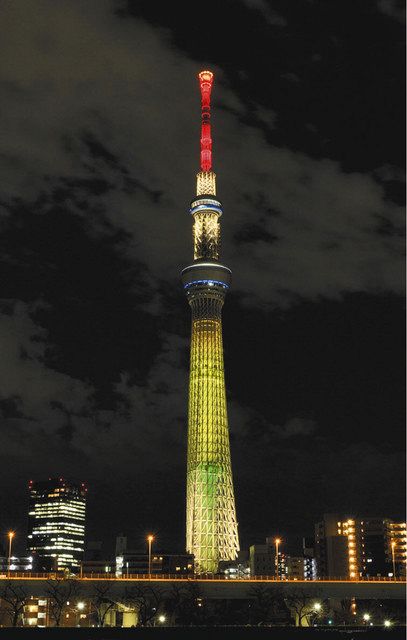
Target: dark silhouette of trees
x: 301, y: 603
x: 266, y: 605
x: 60, y: 591
x: 101, y: 601
x: 13, y: 598
x: 146, y: 600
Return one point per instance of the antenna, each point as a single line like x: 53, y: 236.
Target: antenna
x: 205, y: 83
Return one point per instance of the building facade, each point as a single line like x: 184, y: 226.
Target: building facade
x: 355, y: 547
x: 56, y: 523
x: 310, y: 563
x: 295, y: 567
x: 16, y: 564
x: 211, y: 525
x: 267, y: 560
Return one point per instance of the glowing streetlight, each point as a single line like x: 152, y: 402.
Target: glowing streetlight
x: 80, y: 606
x: 366, y: 617
x: 277, y: 542
x: 10, y: 535
x: 317, y: 606
x: 161, y: 619
x: 393, y: 546
x: 387, y: 623
x: 150, y: 539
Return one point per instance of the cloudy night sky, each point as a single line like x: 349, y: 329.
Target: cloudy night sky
x: 100, y: 125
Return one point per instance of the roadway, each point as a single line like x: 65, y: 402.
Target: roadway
x: 218, y: 588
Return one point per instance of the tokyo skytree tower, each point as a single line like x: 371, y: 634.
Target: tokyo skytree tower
x: 211, y: 514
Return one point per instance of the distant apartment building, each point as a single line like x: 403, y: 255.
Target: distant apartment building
x: 129, y: 562
x: 236, y: 569
x: 294, y: 566
x: 16, y: 563
x: 35, y: 612
x: 56, y: 522
x: 310, y: 563
x: 267, y: 559
x: 350, y: 547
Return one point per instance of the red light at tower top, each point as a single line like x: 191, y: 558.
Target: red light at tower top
x: 205, y: 83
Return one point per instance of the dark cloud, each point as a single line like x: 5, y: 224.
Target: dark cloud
x: 393, y: 9
x: 101, y: 112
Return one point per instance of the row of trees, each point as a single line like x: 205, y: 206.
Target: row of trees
x: 181, y: 605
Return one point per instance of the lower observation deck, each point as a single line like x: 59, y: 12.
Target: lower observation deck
x: 206, y: 273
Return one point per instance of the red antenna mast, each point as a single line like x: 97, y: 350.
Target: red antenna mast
x: 205, y: 83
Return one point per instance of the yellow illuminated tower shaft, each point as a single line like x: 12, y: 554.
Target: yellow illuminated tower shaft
x: 211, y: 514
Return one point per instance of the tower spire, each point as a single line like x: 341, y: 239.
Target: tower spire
x: 206, y: 178
x: 205, y: 83
x: 211, y: 514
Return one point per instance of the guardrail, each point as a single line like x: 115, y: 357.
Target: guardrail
x: 27, y: 575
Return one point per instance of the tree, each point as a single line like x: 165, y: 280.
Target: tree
x: 101, y: 602
x: 60, y: 591
x: 13, y: 600
x: 301, y: 602
x: 266, y: 604
x: 146, y: 600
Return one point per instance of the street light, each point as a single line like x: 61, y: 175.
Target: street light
x: 387, y: 623
x: 10, y: 535
x: 277, y: 541
x: 366, y: 617
x: 80, y: 606
x: 317, y: 606
x: 161, y: 619
x: 150, y: 539
x: 393, y: 546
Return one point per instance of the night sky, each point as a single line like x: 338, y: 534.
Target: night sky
x: 100, y: 126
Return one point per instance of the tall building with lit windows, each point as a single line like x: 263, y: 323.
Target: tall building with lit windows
x: 358, y: 547
x: 211, y: 534
x: 56, y: 522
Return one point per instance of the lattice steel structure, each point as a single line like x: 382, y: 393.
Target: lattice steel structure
x: 211, y: 514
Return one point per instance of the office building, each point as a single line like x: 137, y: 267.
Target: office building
x: 56, y: 522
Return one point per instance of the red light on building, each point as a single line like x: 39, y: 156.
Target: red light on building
x: 205, y: 83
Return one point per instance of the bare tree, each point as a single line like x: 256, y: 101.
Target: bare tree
x: 173, y: 602
x: 13, y: 599
x: 146, y: 600
x: 191, y: 608
x: 301, y: 603
x: 60, y: 591
x: 266, y: 603
x: 101, y: 602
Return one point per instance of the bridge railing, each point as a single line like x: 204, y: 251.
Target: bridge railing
x: 27, y: 575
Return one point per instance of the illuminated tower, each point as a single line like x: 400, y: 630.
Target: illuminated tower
x: 211, y: 513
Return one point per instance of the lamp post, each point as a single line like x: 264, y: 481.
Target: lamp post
x: 150, y: 539
x: 277, y: 542
x: 393, y: 545
x: 10, y: 535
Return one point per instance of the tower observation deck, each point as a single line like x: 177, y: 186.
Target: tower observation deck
x: 211, y: 514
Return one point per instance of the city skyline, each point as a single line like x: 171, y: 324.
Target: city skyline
x: 100, y: 105
x: 288, y: 545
